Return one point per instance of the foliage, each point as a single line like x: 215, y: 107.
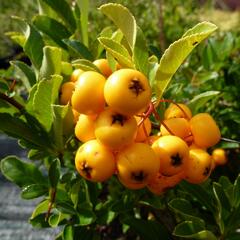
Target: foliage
x: 60, y: 35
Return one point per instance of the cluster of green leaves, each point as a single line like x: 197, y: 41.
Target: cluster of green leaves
x: 56, y: 40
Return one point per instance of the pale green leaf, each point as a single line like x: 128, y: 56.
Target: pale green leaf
x: 118, y: 51
x: 123, y: 19
x: 85, y: 65
x: 51, y: 63
x: 84, y: 8
x: 177, y: 52
x: 40, y: 208
x: 45, y: 95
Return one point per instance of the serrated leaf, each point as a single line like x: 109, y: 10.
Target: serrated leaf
x: 123, y: 19
x: 63, y: 124
x: 79, y: 48
x: 52, y: 28
x: 85, y: 65
x: 177, y: 52
x: 34, y: 191
x: 33, y: 44
x: 27, y: 71
x: 118, y: 51
x: 21, y: 173
x: 84, y: 9
x: 54, y: 173
x: 185, y: 209
x: 45, y: 95
x: 51, y: 64
x: 192, y: 230
x: 201, y: 99
x: 62, y: 8
x: 40, y: 208
x: 140, y: 53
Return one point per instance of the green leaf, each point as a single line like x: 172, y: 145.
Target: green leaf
x: 63, y: 125
x: 45, y: 95
x: 192, y: 230
x: 39, y: 221
x: 56, y: 218
x: 40, y: 208
x: 62, y: 8
x: 34, y: 191
x: 21, y: 173
x: 54, y: 173
x: 118, y: 51
x: 51, y: 63
x: 200, y: 100
x: 147, y: 229
x: 66, y: 68
x: 52, y: 28
x: 85, y: 65
x: 177, y: 53
x: 86, y: 216
x: 140, y: 53
x: 84, y: 8
x: 123, y: 19
x: 17, y: 37
x: 19, y: 129
x: 33, y: 46
x: 221, y: 201
x: 79, y: 48
x: 68, y: 233
x: 200, y: 193
x: 185, y: 209
x: 27, y: 71
x: 66, y: 207
x: 236, y: 192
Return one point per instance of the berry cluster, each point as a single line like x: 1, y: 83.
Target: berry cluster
x: 112, y: 113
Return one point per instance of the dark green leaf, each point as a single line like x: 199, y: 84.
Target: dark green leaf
x: 185, y: 209
x: 39, y: 221
x: 200, y: 193
x: 28, y: 72
x: 62, y: 8
x: 54, y: 29
x: 79, y: 48
x: 66, y: 207
x: 192, y: 230
x: 54, y: 173
x: 34, y: 191
x: 56, y: 218
x: 86, y: 216
x: 147, y: 229
x: 236, y: 192
x: 21, y: 173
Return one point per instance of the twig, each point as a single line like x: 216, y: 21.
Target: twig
x: 12, y: 101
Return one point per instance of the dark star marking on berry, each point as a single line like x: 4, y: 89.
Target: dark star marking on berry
x: 119, y: 119
x: 138, y: 176
x: 176, y: 160
x: 86, y: 169
x: 136, y: 87
x: 207, y: 171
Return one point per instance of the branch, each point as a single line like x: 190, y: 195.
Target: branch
x: 12, y: 101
